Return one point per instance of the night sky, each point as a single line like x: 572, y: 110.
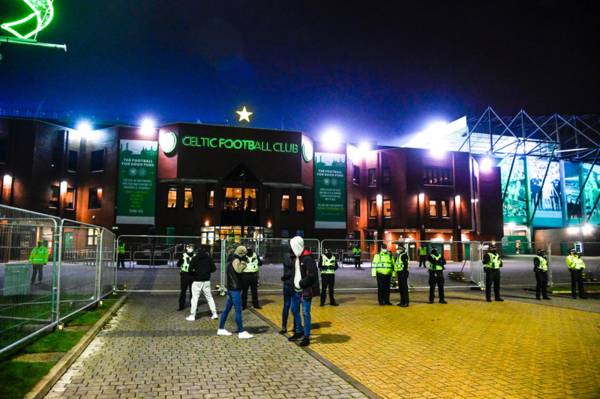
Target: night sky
x: 377, y: 69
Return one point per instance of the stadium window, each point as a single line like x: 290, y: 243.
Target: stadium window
x: 387, y: 208
x: 72, y: 161
x: 386, y: 175
x: 70, y: 198
x: 268, y: 200
x: 172, y: 197
x: 299, y: 203
x: 95, y: 198
x: 357, y: 207
x: 97, y: 160
x: 92, y: 236
x: 372, y: 177
x: 372, y: 208
x: 356, y: 175
x: 188, y: 198
x: 210, y: 199
x: 285, y: 203
x: 54, y: 196
x: 433, y: 211
x: 437, y: 176
x: 444, y: 209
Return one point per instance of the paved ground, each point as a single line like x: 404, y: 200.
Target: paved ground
x: 149, y: 350
x: 468, y: 348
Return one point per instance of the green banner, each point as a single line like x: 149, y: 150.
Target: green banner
x: 330, y: 190
x: 137, y: 182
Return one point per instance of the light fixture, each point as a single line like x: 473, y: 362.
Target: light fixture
x: 84, y: 128
x: 331, y: 137
x: 587, y: 229
x: 7, y: 180
x: 207, y: 223
x: 148, y: 126
x: 572, y: 230
x: 167, y: 141
x: 269, y: 224
x: 379, y: 199
x: 63, y: 186
x: 457, y: 200
x: 421, y: 197
x: 486, y: 164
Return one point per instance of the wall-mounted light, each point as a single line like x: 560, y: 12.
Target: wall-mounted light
x: 63, y: 186
x: 486, y: 164
x: 207, y: 223
x: 379, y: 199
x: 7, y: 181
x: 457, y: 200
x: 84, y: 128
x: 269, y: 224
x: 421, y: 197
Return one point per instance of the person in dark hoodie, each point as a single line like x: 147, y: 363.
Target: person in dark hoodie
x: 288, y: 289
x: 200, y: 270
x: 235, y: 266
x: 185, y: 280
x: 306, y: 286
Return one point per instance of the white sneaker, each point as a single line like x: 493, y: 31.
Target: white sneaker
x: 214, y: 317
x: 191, y: 318
x: 245, y: 335
x: 223, y: 332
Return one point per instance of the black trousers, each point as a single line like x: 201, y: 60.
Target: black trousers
x: 383, y: 288
x: 403, y: 287
x: 39, y: 271
x: 541, y: 284
x: 121, y: 261
x: 423, y: 260
x: 327, y: 280
x: 492, y: 277
x: 249, y: 281
x: 185, y: 285
x: 357, y: 262
x: 436, y: 277
x: 577, y: 283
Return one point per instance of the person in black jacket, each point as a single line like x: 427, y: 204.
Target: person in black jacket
x: 436, y: 275
x: 288, y: 289
x: 540, y: 268
x: 184, y: 276
x: 200, y: 270
x: 328, y: 265
x: 235, y: 266
x: 306, y: 286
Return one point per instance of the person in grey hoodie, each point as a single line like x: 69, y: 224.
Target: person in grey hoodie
x: 306, y: 286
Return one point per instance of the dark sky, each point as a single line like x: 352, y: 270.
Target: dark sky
x: 378, y: 69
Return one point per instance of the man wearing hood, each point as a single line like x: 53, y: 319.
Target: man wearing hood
x: 235, y: 266
x: 306, y: 286
x: 200, y: 270
x: 288, y: 289
x: 185, y: 280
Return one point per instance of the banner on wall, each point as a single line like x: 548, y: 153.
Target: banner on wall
x: 572, y: 188
x: 515, y: 202
x: 330, y: 190
x: 547, y: 196
x: 137, y: 181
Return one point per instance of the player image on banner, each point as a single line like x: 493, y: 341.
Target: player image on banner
x: 546, y: 194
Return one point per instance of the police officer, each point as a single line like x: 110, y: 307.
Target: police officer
x: 576, y: 266
x: 423, y: 256
x: 436, y: 275
x: 356, y: 253
x: 328, y: 266
x: 38, y: 258
x: 185, y: 279
x: 540, y: 268
x: 121, y: 255
x: 250, y: 279
x: 401, y: 270
x: 491, y: 265
x: 381, y: 267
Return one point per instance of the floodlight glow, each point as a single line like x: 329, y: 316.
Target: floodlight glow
x: 421, y: 197
x: 7, y: 180
x: 331, y: 137
x: 364, y: 147
x: 84, y: 127
x: 148, y: 126
x: 486, y: 164
x: 572, y: 230
x: 457, y: 200
x: 587, y: 229
x: 438, y: 152
x: 63, y: 186
x: 511, y: 225
x: 43, y: 12
x: 379, y: 199
x: 167, y: 141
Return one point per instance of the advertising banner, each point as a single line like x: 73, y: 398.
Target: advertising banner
x: 515, y: 202
x: 137, y: 181
x: 572, y: 188
x: 330, y: 190
x: 549, y: 196
x: 591, y: 192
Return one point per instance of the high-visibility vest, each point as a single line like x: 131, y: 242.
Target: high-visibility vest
x: 356, y: 251
x: 543, y: 263
x: 121, y: 249
x: 398, y: 263
x: 39, y: 256
x: 422, y: 251
x: 252, y: 264
x: 436, y: 264
x: 328, y: 264
x: 574, y: 262
x: 185, y: 264
x: 382, y: 264
x: 494, y: 262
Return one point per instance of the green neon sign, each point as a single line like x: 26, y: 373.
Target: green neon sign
x: 43, y: 13
x: 239, y: 144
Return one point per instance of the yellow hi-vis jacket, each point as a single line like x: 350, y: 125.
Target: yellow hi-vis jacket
x: 121, y: 249
x: 328, y: 264
x: 436, y: 265
x: 252, y: 264
x: 382, y: 264
x: 495, y: 261
x: 39, y: 256
x: 399, y: 262
x: 542, y: 263
x: 574, y: 262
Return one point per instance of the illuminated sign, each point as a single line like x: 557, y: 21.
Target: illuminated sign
x: 244, y: 115
x: 167, y: 142
x: 239, y: 144
x: 43, y: 12
x: 307, y: 150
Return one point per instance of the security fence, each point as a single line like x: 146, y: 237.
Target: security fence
x: 50, y: 269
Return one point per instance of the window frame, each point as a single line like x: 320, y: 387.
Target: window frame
x: 76, y: 157
x: 300, y: 200
x: 372, y: 183
x: 371, y: 203
x: 357, y: 207
x: 74, y: 202
x: 97, y: 196
x: 50, y: 201
x: 356, y: 175
x: 186, y: 190
x: 435, y: 207
x: 172, y: 189
x: 103, y: 160
x: 383, y: 208
x: 289, y: 199
x: 210, y: 198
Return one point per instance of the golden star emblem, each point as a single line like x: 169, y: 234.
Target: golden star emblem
x: 244, y: 115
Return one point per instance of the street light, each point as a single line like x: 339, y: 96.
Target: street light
x: 148, y: 126
x: 331, y: 137
x: 84, y: 128
x: 486, y: 164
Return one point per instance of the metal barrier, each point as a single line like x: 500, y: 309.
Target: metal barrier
x: 35, y: 298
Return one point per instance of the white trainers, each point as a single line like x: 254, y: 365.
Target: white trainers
x: 223, y: 332
x: 245, y: 335
x: 214, y: 317
x: 191, y: 318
